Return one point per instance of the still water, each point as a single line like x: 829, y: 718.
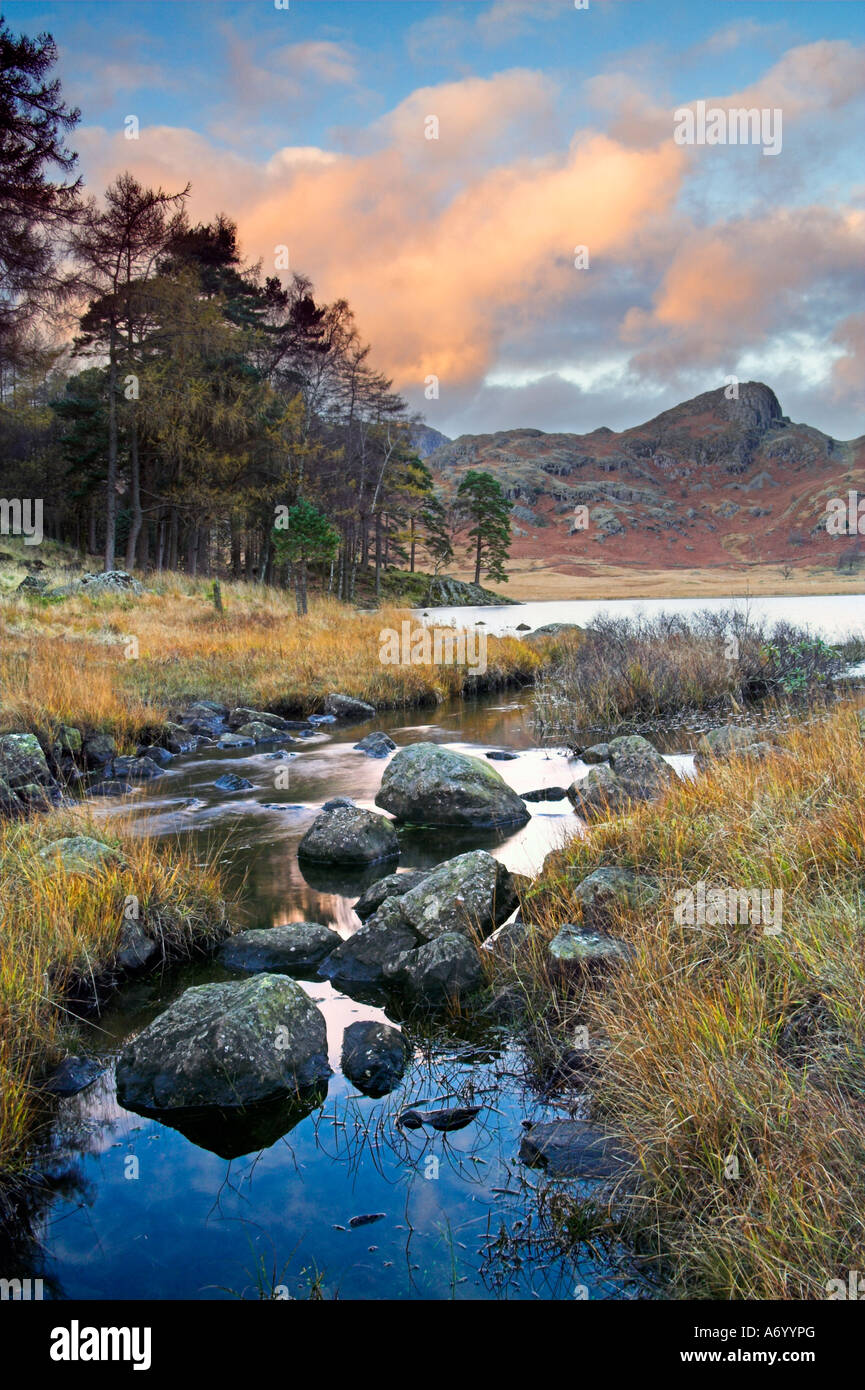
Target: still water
x: 137, y: 1210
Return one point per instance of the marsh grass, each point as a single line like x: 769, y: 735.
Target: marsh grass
x: 628, y: 669
x: 721, y: 1042
x: 58, y: 933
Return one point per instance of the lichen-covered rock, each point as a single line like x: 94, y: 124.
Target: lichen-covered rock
x: 374, y: 1057
x: 259, y: 732
x: 609, y: 886
x: 600, y: 793
x: 99, y: 750
x: 471, y: 894
x: 597, y: 753
x: 349, y: 835
x: 441, y: 971
x: 360, y: 960
x: 391, y: 886
x: 242, y: 715
x: 579, y: 945
x: 639, y: 766
x: 226, y: 1045
x: 80, y: 854
x: 23, y: 763
x: 293, y: 948
x: 114, y: 582
x: 426, y: 784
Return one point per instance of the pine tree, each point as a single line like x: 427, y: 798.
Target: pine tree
x: 482, y: 505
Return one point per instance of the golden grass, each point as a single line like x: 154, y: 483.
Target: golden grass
x: 721, y: 1043
x: 58, y: 928
x: 70, y: 662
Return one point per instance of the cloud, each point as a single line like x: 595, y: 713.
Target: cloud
x: 457, y: 254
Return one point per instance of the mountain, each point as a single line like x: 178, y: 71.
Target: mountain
x: 711, y: 482
x: 426, y: 440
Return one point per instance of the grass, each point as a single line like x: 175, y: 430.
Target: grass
x: 722, y: 1049
x: 69, y: 661
x: 59, y: 931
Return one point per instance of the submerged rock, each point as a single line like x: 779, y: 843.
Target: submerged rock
x: 374, y: 1057
x: 349, y: 835
x: 376, y: 745
x: 573, y: 1149
x: 74, y: 1074
x: 293, y: 948
x: 226, y: 1045
x: 230, y: 782
x: 426, y: 784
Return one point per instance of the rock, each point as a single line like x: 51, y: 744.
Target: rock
x: 177, y: 739
x: 115, y: 582
x: 374, y: 1057
x: 445, y: 1121
x: 9, y: 803
x: 501, y: 755
x: 572, y: 1149
x: 236, y: 741
x: 522, y: 627
x: 74, y: 1074
x: 226, y: 1045
x: 257, y: 732
x: 546, y: 794
x: 639, y: 765
x: 78, y: 854
x: 428, y: 785
x: 68, y: 743
x: 337, y: 801
x: 376, y: 745
x: 578, y: 945
x: 731, y: 740
x: 136, y: 769
x: 349, y: 709
x: 230, y: 782
x: 441, y: 971
x: 509, y: 941
x: 607, y: 887
x: 23, y: 764
x: 293, y: 948
x: 30, y: 585
x: 391, y: 886
x: 112, y: 786
x: 599, y: 793
x: 349, y: 835
x: 366, y: 1219
x: 136, y: 950
x: 360, y: 960
x: 99, y: 750
x: 241, y: 715
x: 553, y: 630
x: 471, y: 894
x: 598, y: 753
x: 315, y: 720
x: 158, y: 755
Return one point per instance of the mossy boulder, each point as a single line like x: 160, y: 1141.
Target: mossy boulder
x: 80, y: 854
x: 349, y: 835
x: 292, y: 948
x: 426, y: 784
x: 226, y: 1045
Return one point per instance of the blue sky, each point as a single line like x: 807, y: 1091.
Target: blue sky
x: 306, y: 125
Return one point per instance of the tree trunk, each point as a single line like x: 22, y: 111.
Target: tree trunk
x: 111, y: 481
x: 135, y: 497
x: 478, y: 560
x: 413, y: 543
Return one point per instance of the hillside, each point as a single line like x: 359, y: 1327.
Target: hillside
x: 712, y: 482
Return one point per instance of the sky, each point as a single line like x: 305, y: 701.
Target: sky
x: 311, y: 124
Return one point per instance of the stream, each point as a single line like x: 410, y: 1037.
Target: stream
x: 137, y: 1210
